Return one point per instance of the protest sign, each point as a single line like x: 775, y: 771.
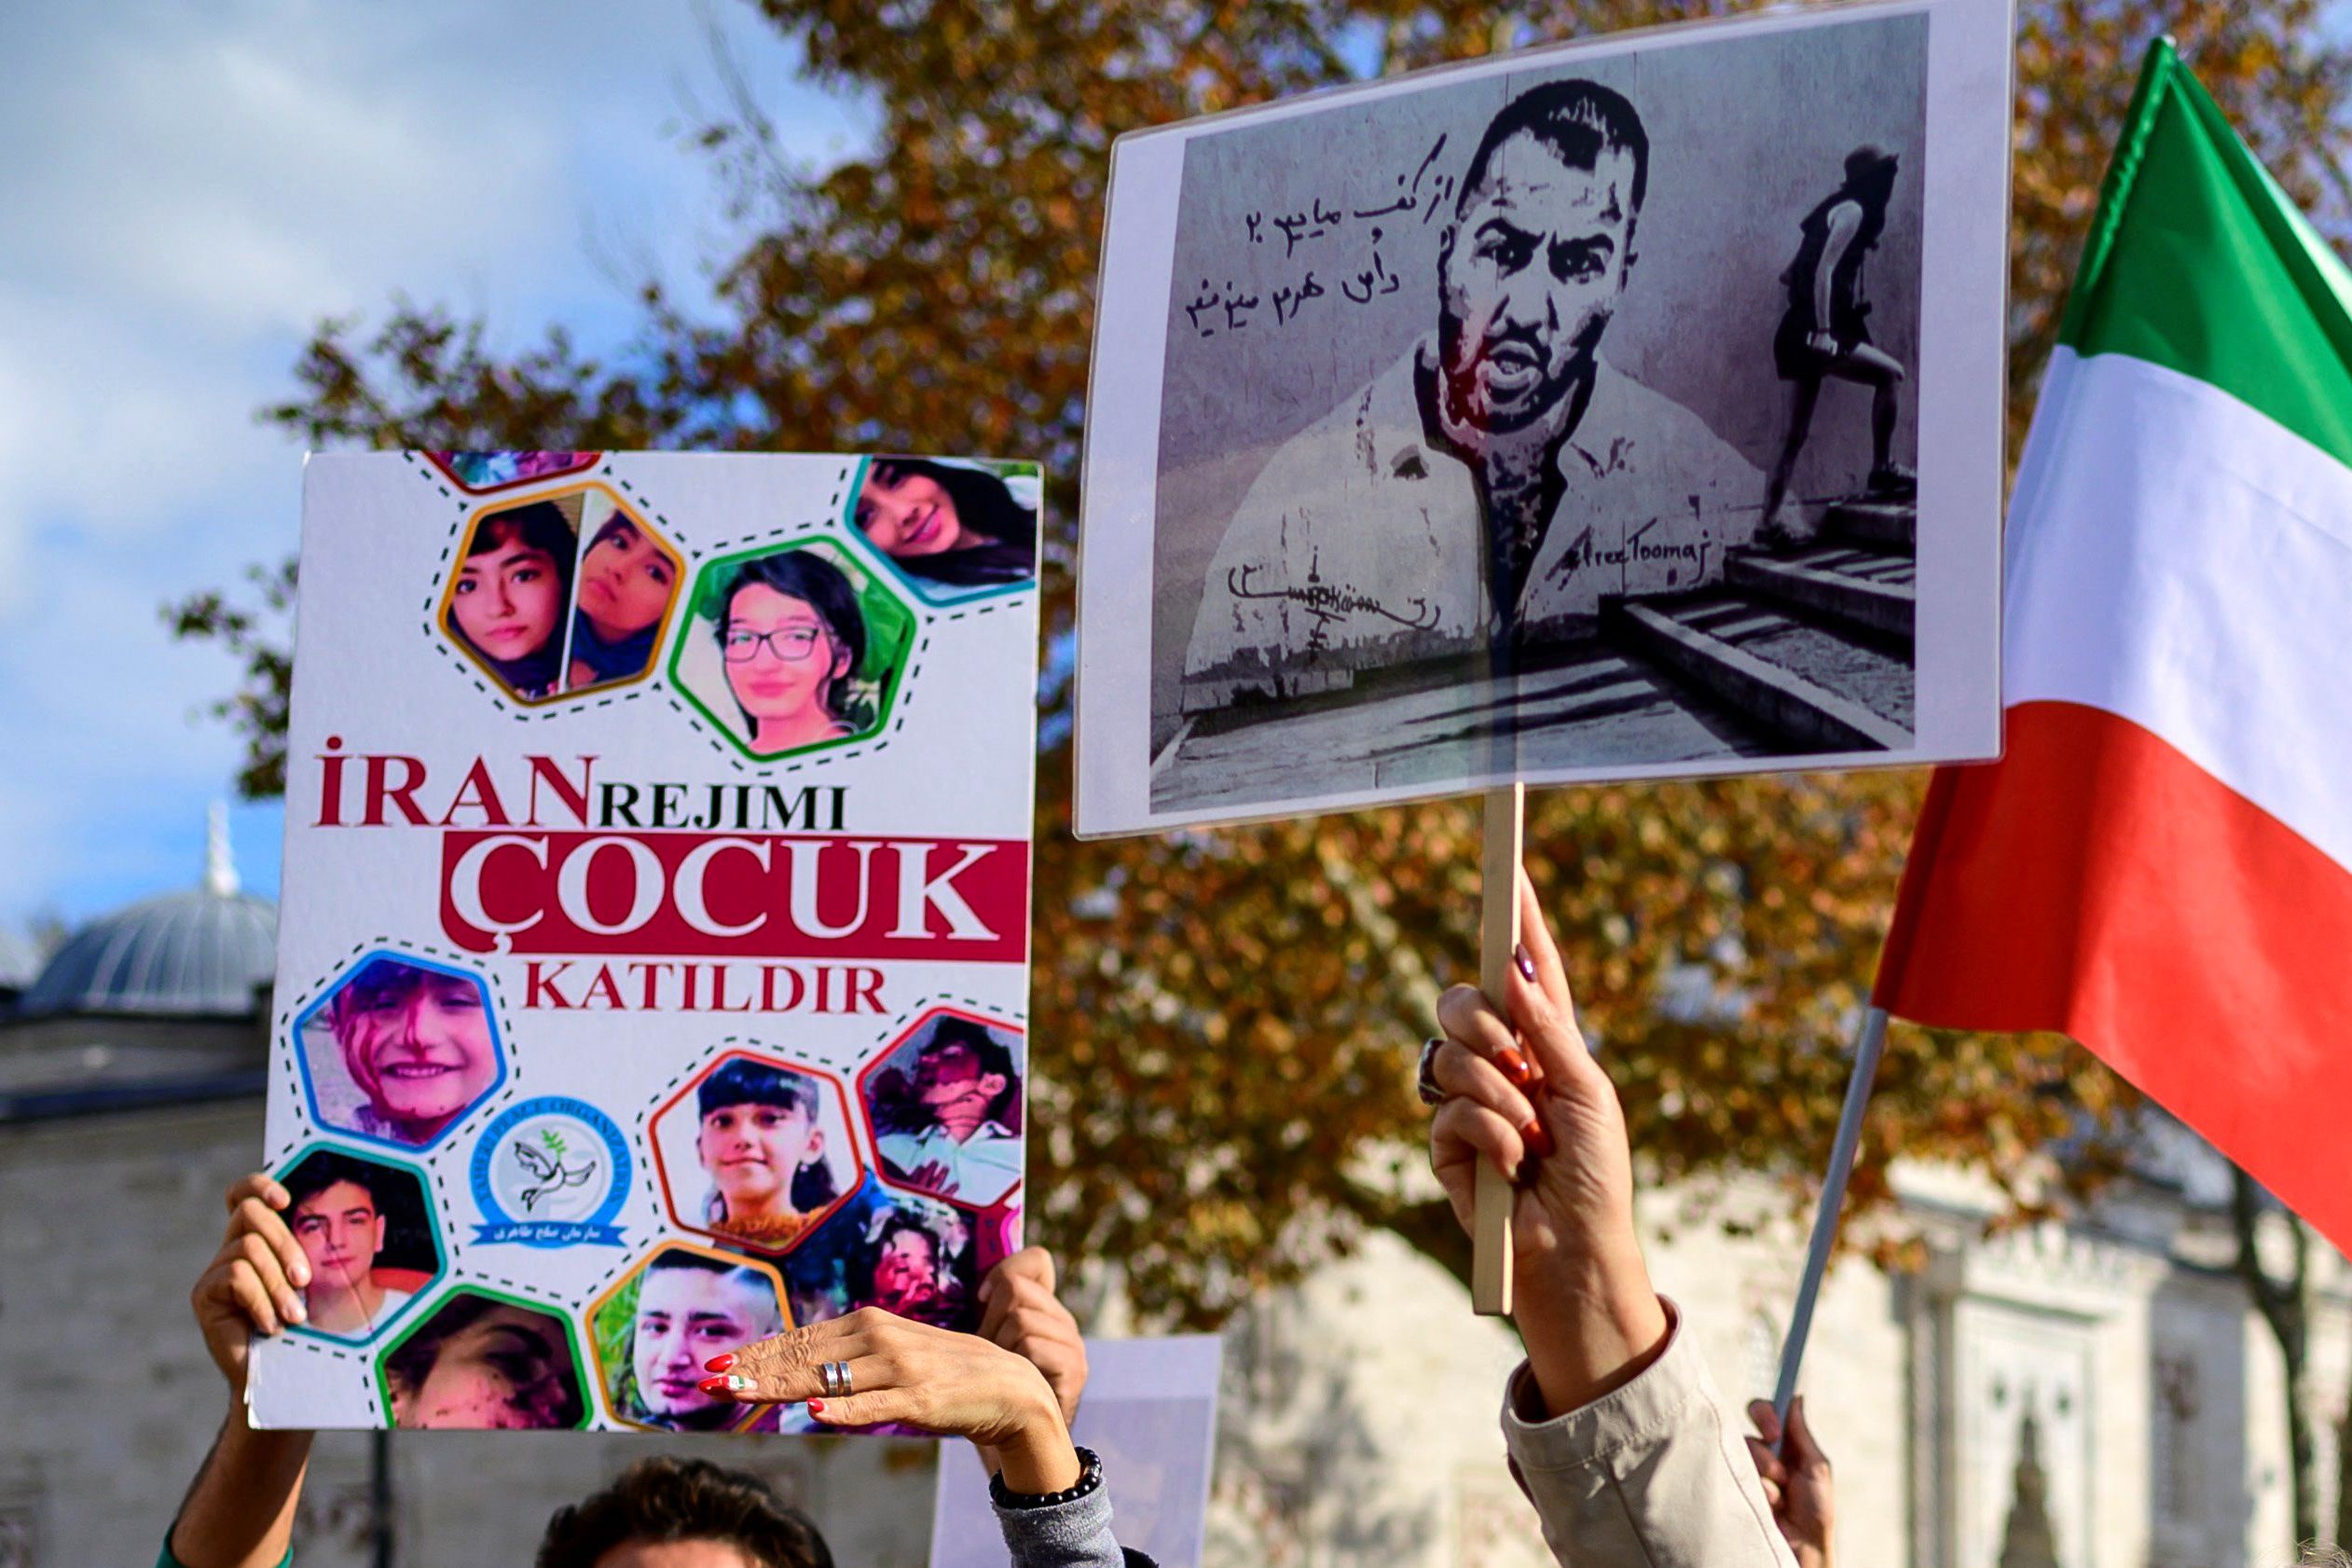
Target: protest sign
x: 652, y: 955
x: 1622, y: 409
x: 1150, y: 1412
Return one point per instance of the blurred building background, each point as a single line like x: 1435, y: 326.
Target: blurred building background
x: 2096, y: 1395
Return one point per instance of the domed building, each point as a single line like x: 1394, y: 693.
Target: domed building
x: 163, y: 1001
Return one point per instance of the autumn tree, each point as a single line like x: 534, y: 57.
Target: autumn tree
x: 1251, y: 997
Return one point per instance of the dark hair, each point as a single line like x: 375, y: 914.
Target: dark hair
x: 897, y: 1107
x: 547, y: 1386
x: 324, y: 1169
x: 662, y: 1500
x: 745, y: 1082
x: 678, y: 1260
x: 984, y: 504
x: 1578, y: 120
x: 815, y: 582
x: 535, y: 525
x: 379, y: 978
x: 957, y: 1277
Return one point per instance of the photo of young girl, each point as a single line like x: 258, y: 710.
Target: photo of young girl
x: 626, y: 582
x: 508, y: 598
x: 792, y: 648
x: 951, y: 528
x: 756, y: 1153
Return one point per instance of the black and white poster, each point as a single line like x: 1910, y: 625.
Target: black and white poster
x: 1627, y: 408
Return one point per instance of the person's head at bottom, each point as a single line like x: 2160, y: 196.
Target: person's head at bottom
x: 691, y: 1308
x: 682, y: 1513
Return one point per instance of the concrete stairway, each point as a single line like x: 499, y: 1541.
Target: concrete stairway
x: 1814, y: 645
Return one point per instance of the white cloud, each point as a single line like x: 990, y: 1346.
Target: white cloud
x: 188, y: 190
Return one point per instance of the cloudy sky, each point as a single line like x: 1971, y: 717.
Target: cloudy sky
x: 186, y: 189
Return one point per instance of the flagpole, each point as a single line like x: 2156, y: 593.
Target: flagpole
x: 1867, y: 1050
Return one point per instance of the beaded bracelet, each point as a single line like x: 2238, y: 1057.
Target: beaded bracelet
x: 1090, y: 1478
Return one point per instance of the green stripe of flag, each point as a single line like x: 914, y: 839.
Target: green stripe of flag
x: 2198, y: 262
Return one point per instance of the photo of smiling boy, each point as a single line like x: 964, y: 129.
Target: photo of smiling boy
x: 507, y: 602
x: 414, y: 1049
x: 691, y: 1307
x: 764, y: 1147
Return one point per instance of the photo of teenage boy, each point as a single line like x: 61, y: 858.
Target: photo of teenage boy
x: 947, y: 525
x: 691, y: 1307
x: 416, y: 1043
x: 624, y: 585
x: 950, y: 1124
x: 507, y: 604
x: 762, y: 1142
x: 918, y: 1263
x: 342, y: 1212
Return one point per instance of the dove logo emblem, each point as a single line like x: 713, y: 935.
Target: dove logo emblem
x: 550, y: 1172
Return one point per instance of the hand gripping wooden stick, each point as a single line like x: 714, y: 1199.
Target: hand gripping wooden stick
x: 1498, y: 939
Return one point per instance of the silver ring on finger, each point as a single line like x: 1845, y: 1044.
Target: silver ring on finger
x: 835, y: 1376
x: 1426, y: 1077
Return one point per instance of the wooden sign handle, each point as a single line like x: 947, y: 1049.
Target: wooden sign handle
x: 1498, y: 939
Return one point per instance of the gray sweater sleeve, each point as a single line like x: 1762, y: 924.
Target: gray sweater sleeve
x: 1073, y: 1534
x: 1652, y: 1475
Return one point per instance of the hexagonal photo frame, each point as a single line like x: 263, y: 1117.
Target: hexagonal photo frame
x: 794, y: 648
x: 654, y: 1328
x: 952, y: 529
x: 561, y: 593
x: 367, y: 1225
x: 944, y: 1108
x: 488, y: 473
x: 755, y: 1152
x: 399, y: 1051
x: 480, y: 1359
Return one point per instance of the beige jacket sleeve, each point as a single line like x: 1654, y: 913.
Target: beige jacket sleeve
x: 1653, y: 1476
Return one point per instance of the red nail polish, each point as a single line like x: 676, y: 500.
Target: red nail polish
x: 1526, y: 964
x: 1537, y: 1137
x: 720, y: 1363
x: 712, y: 1385
x: 816, y: 1407
x: 1514, y: 1066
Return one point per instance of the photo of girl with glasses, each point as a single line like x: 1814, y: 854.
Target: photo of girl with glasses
x: 793, y: 637
x: 793, y: 648
x: 626, y: 580
x: 507, y: 607
x: 947, y: 525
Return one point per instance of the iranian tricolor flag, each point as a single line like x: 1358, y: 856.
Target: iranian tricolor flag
x: 2160, y: 865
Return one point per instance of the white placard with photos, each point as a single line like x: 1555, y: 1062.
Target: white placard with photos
x: 1627, y: 409
x: 642, y: 990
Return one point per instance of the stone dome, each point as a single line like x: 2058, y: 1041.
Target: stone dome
x: 189, y: 955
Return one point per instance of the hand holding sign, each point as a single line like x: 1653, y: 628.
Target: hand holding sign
x: 1524, y: 1094
x: 954, y: 1385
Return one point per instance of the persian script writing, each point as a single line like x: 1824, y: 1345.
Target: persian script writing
x: 1356, y: 279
